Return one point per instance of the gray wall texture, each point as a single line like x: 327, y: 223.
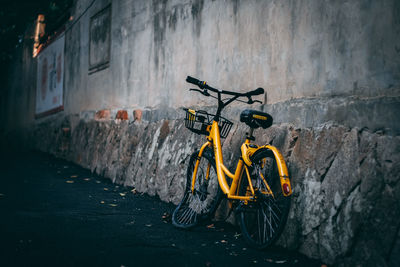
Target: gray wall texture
x: 331, y: 71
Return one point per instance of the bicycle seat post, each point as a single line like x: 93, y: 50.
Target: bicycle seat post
x: 250, y: 136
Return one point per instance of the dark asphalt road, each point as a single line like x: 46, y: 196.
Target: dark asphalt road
x: 54, y: 213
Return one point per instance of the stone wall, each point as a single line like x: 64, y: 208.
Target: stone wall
x: 345, y: 206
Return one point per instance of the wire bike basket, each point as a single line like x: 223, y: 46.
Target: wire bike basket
x: 198, y: 121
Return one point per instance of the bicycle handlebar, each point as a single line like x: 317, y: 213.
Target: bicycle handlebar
x: 258, y: 91
x: 204, y: 85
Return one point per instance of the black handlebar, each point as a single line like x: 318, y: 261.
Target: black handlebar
x: 223, y: 103
x: 258, y: 91
x: 204, y: 85
x: 193, y: 80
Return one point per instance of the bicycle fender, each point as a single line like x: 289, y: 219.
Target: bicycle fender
x: 249, y: 153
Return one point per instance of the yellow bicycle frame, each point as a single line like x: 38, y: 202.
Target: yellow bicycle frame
x: 214, y: 140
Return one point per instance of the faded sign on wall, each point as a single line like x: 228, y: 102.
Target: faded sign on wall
x: 50, y: 78
x: 100, y: 40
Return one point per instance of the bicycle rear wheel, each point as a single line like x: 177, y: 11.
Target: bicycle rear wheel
x: 203, y: 201
x: 262, y: 221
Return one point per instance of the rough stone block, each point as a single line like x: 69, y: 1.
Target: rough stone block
x: 122, y: 115
x: 137, y: 115
x: 103, y: 114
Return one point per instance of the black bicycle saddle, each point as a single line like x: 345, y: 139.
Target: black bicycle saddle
x: 255, y: 118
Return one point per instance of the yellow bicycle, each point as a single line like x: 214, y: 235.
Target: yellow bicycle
x: 259, y: 188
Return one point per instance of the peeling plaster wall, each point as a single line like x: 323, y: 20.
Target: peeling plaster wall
x: 294, y: 49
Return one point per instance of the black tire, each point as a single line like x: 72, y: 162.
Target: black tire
x: 262, y: 221
x: 202, y: 203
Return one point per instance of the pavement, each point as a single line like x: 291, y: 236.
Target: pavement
x: 55, y: 213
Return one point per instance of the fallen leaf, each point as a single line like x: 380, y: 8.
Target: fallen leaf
x: 74, y: 176
x: 211, y: 226
x: 122, y: 194
x: 133, y: 190
x: 113, y: 205
x: 166, y: 217
x: 69, y: 182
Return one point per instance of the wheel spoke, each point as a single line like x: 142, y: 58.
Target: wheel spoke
x: 200, y: 203
x: 261, y: 221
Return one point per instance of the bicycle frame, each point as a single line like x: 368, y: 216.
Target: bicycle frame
x: 214, y: 140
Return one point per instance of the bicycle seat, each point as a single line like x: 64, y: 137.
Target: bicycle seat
x: 255, y: 118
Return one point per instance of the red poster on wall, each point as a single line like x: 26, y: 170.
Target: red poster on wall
x: 50, y: 78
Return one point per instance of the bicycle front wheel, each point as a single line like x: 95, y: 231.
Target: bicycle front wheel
x: 262, y: 220
x: 201, y: 203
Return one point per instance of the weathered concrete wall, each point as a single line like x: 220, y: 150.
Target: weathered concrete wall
x: 294, y: 49
x: 345, y: 206
x: 310, y: 56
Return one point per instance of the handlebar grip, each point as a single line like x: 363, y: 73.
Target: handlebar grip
x: 258, y: 91
x: 192, y: 80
